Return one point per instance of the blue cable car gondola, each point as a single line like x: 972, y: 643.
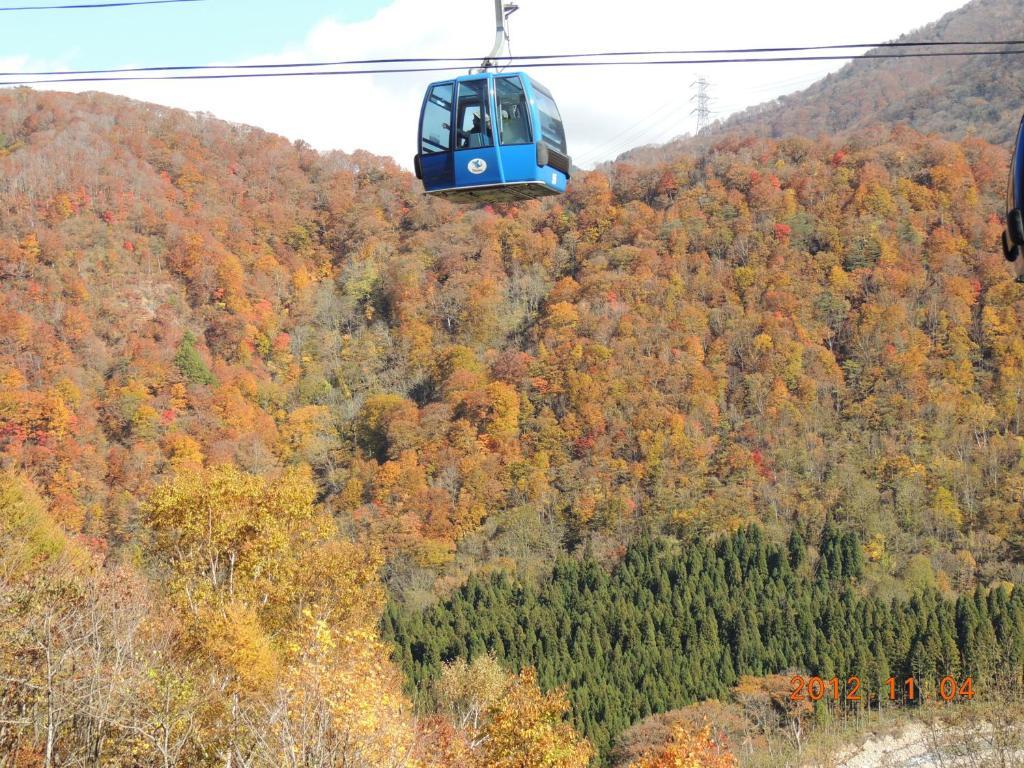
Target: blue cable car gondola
x: 1013, y: 235
x: 491, y: 136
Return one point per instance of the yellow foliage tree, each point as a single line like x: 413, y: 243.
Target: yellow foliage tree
x: 503, y: 421
x: 526, y: 729
x: 467, y: 691
x: 285, y: 613
x: 229, y: 535
x: 307, y: 434
x: 339, y: 704
x: 688, y: 749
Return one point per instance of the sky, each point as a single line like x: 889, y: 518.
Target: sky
x: 606, y: 110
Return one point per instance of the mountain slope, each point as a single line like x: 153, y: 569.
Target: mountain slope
x: 809, y: 334
x: 953, y: 97
x: 766, y: 331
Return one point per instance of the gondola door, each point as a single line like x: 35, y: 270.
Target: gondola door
x: 435, y: 158
x: 476, y: 156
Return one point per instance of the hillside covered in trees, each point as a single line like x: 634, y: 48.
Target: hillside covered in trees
x: 791, y: 332
x: 667, y: 629
x: 198, y: 317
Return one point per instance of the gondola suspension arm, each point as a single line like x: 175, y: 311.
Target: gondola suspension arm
x: 502, y: 11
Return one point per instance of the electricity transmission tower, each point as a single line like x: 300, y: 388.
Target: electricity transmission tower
x: 703, y: 99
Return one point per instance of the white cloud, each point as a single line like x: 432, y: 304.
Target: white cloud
x: 13, y: 63
x: 606, y: 110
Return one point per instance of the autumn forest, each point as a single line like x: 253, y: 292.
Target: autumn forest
x: 299, y: 466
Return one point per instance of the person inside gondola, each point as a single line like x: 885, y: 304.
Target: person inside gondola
x: 475, y: 139
x: 470, y: 138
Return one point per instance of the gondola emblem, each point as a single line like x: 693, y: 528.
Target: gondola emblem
x: 477, y: 165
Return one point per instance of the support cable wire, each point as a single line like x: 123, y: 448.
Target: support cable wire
x: 626, y: 138
x: 635, y: 133
x: 538, y: 65
x: 648, y: 134
x: 667, y: 109
x: 666, y: 129
x: 526, y: 59
x: 81, y: 6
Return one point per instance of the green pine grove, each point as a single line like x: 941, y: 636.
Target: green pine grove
x: 673, y: 623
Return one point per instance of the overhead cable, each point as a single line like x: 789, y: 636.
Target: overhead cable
x: 522, y: 59
x: 81, y: 6
x: 535, y: 65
